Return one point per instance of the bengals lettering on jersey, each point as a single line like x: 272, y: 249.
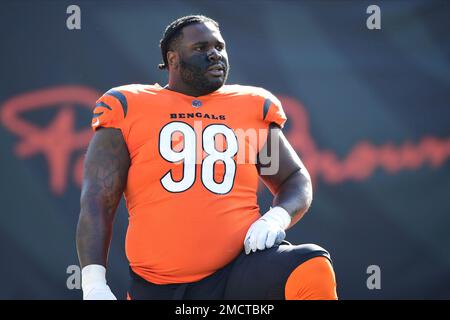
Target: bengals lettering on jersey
x: 192, y: 182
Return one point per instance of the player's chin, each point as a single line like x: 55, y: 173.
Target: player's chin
x: 216, y: 81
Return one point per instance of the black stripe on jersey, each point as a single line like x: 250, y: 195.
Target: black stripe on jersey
x: 97, y: 115
x: 102, y: 104
x: 267, y: 104
x: 121, y: 97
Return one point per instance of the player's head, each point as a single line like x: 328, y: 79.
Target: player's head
x: 193, y: 51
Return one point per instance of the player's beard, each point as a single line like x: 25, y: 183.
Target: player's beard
x: 193, y: 73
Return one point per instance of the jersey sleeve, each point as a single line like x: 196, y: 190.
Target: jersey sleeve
x: 272, y: 110
x: 110, y: 110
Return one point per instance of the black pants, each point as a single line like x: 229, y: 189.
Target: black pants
x: 260, y: 275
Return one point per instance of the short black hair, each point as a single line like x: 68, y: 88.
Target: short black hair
x: 173, y: 33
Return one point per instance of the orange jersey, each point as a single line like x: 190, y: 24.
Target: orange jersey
x: 192, y: 184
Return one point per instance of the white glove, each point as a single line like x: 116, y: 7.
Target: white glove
x: 93, y: 283
x: 268, y: 230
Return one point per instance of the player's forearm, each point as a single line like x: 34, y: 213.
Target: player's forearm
x: 295, y: 195
x: 94, y: 232
x: 93, y: 239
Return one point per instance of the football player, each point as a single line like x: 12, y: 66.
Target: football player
x: 188, y: 157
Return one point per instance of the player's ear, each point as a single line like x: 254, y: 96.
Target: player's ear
x: 173, y: 59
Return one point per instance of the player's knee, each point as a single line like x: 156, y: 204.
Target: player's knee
x: 313, y: 278
x: 307, y: 251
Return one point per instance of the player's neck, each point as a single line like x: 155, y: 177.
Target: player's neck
x: 181, y: 87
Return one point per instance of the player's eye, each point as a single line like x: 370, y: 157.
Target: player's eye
x: 200, y: 48
x: 220, y: 47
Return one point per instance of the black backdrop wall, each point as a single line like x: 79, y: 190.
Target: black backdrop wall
x: 368, y: 113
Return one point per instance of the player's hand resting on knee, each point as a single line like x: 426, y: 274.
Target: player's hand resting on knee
x: 267, y: 231
x: 93, y: 283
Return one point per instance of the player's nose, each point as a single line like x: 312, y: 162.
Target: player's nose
x: 214, y: 55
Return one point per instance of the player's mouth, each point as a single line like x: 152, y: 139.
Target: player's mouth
x: 216, y: 70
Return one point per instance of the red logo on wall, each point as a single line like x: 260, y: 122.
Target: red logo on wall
x: 59, y: 139
x: 364, y: 158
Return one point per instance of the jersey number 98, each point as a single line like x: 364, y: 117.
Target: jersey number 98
x: 188, y: 155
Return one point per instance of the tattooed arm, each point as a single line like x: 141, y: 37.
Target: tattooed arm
x: 105, y: 175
